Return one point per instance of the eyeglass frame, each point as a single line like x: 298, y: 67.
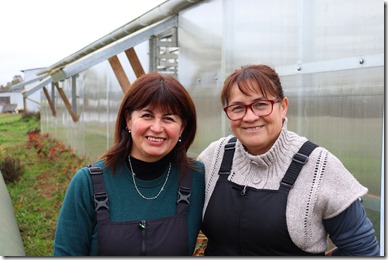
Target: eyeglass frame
x: 272, y: 101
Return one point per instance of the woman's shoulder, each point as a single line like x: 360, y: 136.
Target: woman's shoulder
x: 82, y: 176
x: 198, y: 169
x: 214, y: 146
x: 198, y: 165
x: 221, y: 140
x: 99, y: 163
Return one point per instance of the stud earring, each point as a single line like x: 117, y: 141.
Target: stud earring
x: 179, y: 140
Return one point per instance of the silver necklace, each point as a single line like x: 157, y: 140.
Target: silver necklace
x: 137, y: 189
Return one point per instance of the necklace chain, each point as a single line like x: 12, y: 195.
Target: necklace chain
x: 137, y: 189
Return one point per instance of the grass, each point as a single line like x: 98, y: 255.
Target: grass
x: 37, y: 197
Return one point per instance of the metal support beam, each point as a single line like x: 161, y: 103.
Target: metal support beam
x: 37, y: 86
x: 366, y: 61
x: 24, y: 83
x: 167, y: 9
x: 114, y: 49
x: 74, y: 93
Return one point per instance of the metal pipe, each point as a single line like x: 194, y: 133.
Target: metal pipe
x: 156, y: 14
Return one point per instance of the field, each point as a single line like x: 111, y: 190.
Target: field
x: 48, y: 166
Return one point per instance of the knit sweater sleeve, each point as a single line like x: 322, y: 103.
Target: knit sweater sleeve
x: 76, y: 218
x: 324, y: 189
x: 339, y: 188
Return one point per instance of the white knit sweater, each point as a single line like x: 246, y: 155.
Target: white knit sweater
x: 324, y: 187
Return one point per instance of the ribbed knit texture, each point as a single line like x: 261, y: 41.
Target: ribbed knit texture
x: 323, y: 189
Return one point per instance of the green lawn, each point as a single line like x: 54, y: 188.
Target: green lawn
x: 48, y: 168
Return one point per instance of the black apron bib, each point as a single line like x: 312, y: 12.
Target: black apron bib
x: 155, y: 237
x: 243, y: 221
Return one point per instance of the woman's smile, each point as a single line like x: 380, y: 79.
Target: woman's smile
x: 155, y: 139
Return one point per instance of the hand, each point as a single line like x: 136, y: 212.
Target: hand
x: 330, y: 252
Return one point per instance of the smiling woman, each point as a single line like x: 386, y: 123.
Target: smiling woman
x: 145, y: 195
x: 286, y: 194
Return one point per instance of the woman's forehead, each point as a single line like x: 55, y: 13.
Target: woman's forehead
x: 159, y: 108
x: 246, y: 88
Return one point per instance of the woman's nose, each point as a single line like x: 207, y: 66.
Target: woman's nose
x: 157, y: 126
x: 250, y: 116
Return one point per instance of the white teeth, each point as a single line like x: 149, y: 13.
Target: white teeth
x: 155, y: 139
x: 253, y: 128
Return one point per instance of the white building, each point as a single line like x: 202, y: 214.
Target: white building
x: 14, y: 101
x: 32, y: 101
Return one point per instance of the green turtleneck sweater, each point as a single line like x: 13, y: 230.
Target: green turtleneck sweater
x: 76, y: 232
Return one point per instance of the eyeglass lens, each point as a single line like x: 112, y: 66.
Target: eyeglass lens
x: 259, y: 108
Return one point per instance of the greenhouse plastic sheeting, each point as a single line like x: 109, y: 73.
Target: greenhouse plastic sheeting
x: 10, y: 240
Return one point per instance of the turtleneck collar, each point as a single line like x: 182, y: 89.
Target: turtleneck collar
x: 149, y: 170
x: 284, y: 145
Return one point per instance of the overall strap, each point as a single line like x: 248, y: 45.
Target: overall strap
x: 299, y: 159
x: 184, y: 193
x: 100, y: 196
x: 227, y: 160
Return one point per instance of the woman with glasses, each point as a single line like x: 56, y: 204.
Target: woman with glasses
x: 270, y: 191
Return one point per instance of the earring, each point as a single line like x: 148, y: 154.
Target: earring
x: 179, y: 140
x: 126, y: 128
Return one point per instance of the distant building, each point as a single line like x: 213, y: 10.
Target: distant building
x: 33, y: 100
x: 11, y: 102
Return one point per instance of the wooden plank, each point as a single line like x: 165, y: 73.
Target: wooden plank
x: 135, y: 62
x: 52, y: 107
x: 120, y: 73
x: 67, y: 103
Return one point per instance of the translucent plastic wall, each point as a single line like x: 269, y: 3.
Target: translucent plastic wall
x: 329, y: 55
x: 96, y: 98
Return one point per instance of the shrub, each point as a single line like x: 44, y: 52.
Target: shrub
x: 46, y: 146
x: 11, y: 169
x: 27, y: 115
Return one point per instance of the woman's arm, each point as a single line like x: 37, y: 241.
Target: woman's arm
x: 76, y: 219
x: 352, y: 232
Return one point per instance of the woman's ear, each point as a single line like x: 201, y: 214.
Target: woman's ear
x: 284, y: 107
x: 182, y: 129
x: 127, y: 120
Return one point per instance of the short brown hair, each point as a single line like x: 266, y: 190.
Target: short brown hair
x: 263, y: 77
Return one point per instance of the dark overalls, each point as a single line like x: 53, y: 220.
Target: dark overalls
x: 242, y: 221
x: 155, y: 237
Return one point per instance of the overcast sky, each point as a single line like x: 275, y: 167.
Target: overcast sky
x: 39, y: 33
